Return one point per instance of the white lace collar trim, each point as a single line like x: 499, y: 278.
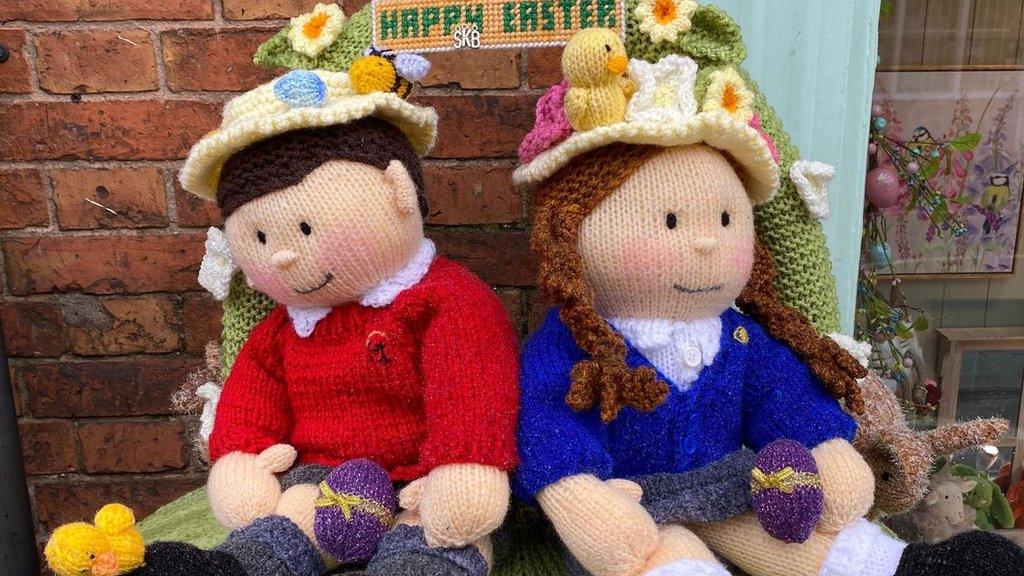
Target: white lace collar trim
x: 410, y: 275
x: 304, y: 320
x: 680, y: 350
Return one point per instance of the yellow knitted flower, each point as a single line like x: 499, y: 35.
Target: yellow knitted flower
x: 728, y: 93
x: 312, y: 32
x: 665, y: 20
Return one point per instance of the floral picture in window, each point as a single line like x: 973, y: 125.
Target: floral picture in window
x: 964, y: 133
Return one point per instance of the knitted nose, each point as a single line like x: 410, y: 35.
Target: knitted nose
x: 705, y: 245
x: 284, y: 258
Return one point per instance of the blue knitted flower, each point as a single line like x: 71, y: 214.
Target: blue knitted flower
x: 301, y: 88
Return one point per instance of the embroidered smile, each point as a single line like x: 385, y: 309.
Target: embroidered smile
x: 327, y: 280
x: 688, y: 290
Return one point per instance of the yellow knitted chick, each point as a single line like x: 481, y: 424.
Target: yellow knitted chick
x: 594, y: 62
x: 374, y: 73
x: 109, y: 547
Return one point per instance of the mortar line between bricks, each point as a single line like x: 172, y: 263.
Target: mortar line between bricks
x: 31, y: 54
x: 104, y: 477
x: 208, y: 97
x: 156, y: 38
x: 153, y: 24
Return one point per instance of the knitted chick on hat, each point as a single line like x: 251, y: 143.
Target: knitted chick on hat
x: 594, y: 63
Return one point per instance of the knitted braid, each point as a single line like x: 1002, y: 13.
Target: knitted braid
x: 833, y: 365
x: 564, y: 200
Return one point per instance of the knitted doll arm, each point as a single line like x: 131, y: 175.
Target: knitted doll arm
x: 253, y: 412
x: 555, y: 441
x: 783, y: 399
x: 469, y: 367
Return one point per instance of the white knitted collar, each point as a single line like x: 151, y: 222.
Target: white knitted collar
x: 666, y: 343
x: 410, y: 275
x: 304, y: 320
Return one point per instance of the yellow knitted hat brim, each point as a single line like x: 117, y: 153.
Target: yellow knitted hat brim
x: 741, y: 142
x: 201, y: 171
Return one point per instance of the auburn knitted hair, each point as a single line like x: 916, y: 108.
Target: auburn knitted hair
x: 284, y: 160
x: 604, y: 379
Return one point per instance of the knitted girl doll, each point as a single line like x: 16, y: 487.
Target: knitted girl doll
x: 378, y: 348
x: 644, y: 390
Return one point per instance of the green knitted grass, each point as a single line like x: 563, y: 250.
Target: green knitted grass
x: 355, y: 37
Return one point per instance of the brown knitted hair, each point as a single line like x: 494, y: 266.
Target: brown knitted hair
x: 284, y: 160
x: 604, y: 379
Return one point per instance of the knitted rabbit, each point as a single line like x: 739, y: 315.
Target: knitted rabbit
x: 901, y: 458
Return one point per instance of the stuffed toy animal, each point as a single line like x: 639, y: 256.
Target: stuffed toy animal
x: 378, y: 350
x: 643, y: 371
x: 901, y: 458
x: 986, y: 498
x: 595, y: 62
x: 110, y: 546
x: 942, y: 513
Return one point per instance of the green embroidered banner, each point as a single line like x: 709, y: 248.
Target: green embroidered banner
x: 434, y: 25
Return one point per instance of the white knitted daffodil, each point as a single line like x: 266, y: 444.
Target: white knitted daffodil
x: 811, y: 180
x: 665, y: 20
x: 313, y: 32
x: 728, y: 93
x: 664, y: 90
x: 218, y: 266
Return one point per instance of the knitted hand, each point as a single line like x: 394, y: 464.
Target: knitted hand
x: 458, y: 503
x: 846, y: 481
x: 601, y: 523
x: 242, y: 487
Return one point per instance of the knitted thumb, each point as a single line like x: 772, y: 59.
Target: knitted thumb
x: 242, y: 487
x: 460, y: 503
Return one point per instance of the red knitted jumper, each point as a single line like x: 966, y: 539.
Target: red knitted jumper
x: 430, y: 379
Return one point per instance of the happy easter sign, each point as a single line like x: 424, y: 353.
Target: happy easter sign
x: 435, y: 25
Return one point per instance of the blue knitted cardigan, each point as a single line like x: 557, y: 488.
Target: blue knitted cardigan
x: 756, y: 391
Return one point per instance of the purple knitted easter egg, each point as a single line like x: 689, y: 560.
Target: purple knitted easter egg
x: 786, y: 490
x: 355, y: 509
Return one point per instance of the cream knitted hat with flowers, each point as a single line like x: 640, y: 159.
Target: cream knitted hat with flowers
x: 298, y: 99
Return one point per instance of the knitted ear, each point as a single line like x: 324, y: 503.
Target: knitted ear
x: 403, y: 189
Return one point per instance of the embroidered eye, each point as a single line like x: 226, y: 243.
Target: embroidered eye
x: 607, y: 48
x: 261, y: 236
x: 725, y: 219
x: 305, y: 228
x: 671, y: 221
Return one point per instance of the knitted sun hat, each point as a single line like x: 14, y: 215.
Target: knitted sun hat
x: 338, y: 79
x: 298, y: 99
x: 655, y: 103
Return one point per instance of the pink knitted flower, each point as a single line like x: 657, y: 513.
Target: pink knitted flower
x: 755, y: 123
x: 551, y: 126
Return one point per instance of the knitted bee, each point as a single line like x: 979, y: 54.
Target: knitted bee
x: 379, y: 71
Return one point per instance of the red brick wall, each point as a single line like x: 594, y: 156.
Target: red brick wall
x: 100, y: 100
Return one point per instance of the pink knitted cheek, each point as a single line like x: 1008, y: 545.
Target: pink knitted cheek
x: 268, y: 282
x: 644, y: 260
x: 739, y: 261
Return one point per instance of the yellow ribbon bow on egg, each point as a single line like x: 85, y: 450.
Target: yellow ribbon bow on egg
x: 786, y: 479
x: 349, y: 502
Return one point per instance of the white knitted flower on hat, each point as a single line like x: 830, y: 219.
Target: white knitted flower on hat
x: 811, y: 180
x: 665, y: 20
x: 728, y: 93
x: 218, y: 266
x: 664, y: 90
x: 313, y: 32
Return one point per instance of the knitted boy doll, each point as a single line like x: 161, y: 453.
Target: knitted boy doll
x: 644, y: 391
x: 378, y: 348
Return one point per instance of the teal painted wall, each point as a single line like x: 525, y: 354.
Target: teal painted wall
x: 815, y: 61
